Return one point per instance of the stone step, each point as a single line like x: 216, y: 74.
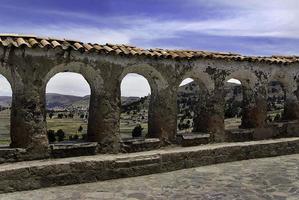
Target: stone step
x: 72, y: 149
x: 28, y: 175
x: 130, y: 145
x: 192, y: 139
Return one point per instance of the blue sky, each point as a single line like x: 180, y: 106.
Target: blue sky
x: 251, y: 27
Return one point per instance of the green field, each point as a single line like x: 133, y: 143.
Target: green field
x: 70, y: 125
x: 4, y: 126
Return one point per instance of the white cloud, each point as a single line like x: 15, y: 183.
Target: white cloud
x: 275, y: 18
x: 232, y: 80
x: 5, y: 88
x: 268, y: 18
x: 186, y: 81
x: 135, y: 85
x: 68, y: 83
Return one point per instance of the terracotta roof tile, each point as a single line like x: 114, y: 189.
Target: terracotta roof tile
x: 45, y: 43
x: 21, y: 42
x: 33, y: 42
x: 30, y: 41
x: 88, y: 47
x: 55, y: 44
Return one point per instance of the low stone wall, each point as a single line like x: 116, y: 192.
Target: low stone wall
x: 63, y: 150
x: 131, y: 145
x: 192, y: 139
x: 46, y: 173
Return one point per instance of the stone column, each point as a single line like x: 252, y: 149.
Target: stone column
x: 103, y: 120
x: 210, y: 115
x: 28, y: 123
x: 254, y: 107
x: 291, y: 106
x: 162, y: 119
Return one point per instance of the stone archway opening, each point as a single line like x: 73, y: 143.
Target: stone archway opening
x: 5, y: 108
x: 188, y: 100
x: 135, y: 103
x: 233, y: 104
x: 67, y: 107
x: 275, y: 102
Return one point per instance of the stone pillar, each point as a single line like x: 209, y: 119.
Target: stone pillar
x: 210, y: 115
x: 103, y: 120
x: 291, y: 106
x: 254, y: 107
x: 162, y: 118
x: 28, y: 123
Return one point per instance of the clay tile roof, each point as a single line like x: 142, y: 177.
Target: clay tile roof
x: 22, y: 42
x: 45, y: 43
x: 78, y: 46
x: 107, y: 48
x: 31, y: 41
x: 55, y: 44
x: 88, y: 47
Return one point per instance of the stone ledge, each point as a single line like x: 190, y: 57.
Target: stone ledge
x: 130, y: 145
x: 72, y: 149
x: 54, y: 172
x: 192, y: 139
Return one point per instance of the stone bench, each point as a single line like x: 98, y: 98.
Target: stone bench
x: 192, y: 139
x: 8, y: 154
x: 72, y: 149
x: 239, y: 135
x: 129, y: 145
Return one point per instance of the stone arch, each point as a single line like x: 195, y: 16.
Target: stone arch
x: 289, y: 88
x: 91, y: 75
x: 158, y: 85
x: 247, y: 78
x: 203, y: 80
x: 13, y: 77
x: 156, y: 81
x: 286, y: 80
x: 17, y: 87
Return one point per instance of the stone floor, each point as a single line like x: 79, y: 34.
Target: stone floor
x: 268, y: 178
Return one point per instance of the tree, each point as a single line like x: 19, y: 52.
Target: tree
x: 76, y: 137
x: 51, y: 136
x: 277, y: 117
x: 51, y: 114
x: 60, y: 134
x: 137, y: 131
x: 84, y: 136
x: 60, y: 116
x: 71, y: 115
x: 80, y: 129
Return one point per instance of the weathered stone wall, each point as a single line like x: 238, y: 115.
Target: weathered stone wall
x: 29, y: 70
x: 48, y: 173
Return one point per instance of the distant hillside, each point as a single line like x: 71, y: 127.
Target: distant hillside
x: 5, y: 101
x: 187, y: 95
x: 58, y: 101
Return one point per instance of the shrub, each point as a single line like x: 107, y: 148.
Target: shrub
x: 60, y: 135
x: 51, y: 136
x: 137, y: 131
x: 60, y: 116
x: 80, y: 129
x: 84, y: 136
x: 71, y: 137
x: 277, y: 117
x: 51, y: 115
x: 76, y: 137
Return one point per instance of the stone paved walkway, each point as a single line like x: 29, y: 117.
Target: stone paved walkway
x: 269, y: 178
